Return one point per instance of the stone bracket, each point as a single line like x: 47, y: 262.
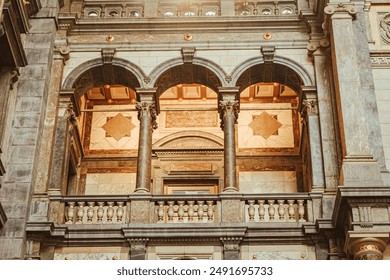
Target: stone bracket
x: 268, y: 54
x: 188, y: 54
x: 108, y: 55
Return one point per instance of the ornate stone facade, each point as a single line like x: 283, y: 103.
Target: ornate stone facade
x: 298, y: 168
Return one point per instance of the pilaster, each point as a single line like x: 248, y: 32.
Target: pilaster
x: 358, y: 167
x: 310, y: 112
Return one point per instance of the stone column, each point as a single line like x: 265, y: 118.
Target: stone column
x: 147, y: 115
x: 367, y: 248
x: 228, y: 110
x: 310, y: 112
x: 358, y: 168
x: 231, y: 248
x: 138, y: 248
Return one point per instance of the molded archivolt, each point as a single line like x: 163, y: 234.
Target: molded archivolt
x: 189, y: 140
x: 95, y: 73
x: 282, y: 70
x: 200, y: 71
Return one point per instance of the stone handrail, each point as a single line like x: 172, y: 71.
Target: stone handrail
x: 276, y: 207
x: 186, y: 208
x: 95, y: 209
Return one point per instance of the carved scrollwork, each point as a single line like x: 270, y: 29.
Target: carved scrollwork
x: 228, y: 108
x: 340, y: 8
x: 147, y: 109
x: 385, y: 28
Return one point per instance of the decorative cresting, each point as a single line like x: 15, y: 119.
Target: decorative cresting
x: 367, y: 248
x: 385, y: 28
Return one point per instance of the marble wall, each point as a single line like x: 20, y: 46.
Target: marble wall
x: 267, y: 182
x: 278, y: 252
x: 110, y: 183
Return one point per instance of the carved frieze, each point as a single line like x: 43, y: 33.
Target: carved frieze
x: 191, y: 119
x: 385, y: 28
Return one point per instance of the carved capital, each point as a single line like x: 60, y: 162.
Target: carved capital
x: 188, y: 54
x: 231, y: 243
x: 138, y: 244
x: 310, y: 106
x: 268, y: 54
x: 147, y: 109
x: 63, y: 51
x: 228, y: 108
x: 108, y: 55
x: 385, y: 28
x: 313, y: 46
x: 340, y: 8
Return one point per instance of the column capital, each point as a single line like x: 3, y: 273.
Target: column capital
x: 146, y: 108
x: 228, y: 108
x: 340, y: 9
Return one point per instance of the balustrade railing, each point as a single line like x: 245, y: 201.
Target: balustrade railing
x: 276, y: 208
x: 92, y: 210
x: 186, y: 209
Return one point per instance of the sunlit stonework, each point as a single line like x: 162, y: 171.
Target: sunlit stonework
x: 264, y: 125
x: 118, y: 127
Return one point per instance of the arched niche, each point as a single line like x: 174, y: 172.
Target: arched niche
x: 189, y: 140
x: 187, y: 74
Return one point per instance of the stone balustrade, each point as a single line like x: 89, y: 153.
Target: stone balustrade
x: 276, y: 208
x: 84, y: 210
x: 261, y: 208
x: 186, y: 209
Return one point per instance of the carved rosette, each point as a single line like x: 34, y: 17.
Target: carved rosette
x: 385, y: 28
x: 228, y: 108
x: 147, y: 109
x: 309, y: 107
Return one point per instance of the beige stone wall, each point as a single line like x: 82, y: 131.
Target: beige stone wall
x: 174, y: 252
x: 110, y: 183
x: 279, y: 252
x: 91, y: 253
x: 382, y: 91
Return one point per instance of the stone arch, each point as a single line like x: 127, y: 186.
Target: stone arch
x: 175, y: 71
x: 95, y: 72
x: 282, y: 70
x: 185, y: 140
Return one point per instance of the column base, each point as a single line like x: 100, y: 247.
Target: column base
x: 141, y: 191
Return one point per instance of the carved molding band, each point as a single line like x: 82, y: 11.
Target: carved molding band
x: 228, y: 108
x: 385, y: 28
x: 147, y: 109
x: 380, y: 61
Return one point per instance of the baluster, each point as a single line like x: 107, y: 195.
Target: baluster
x: 281, y: 210
x: 251, y: 210
x: 70, y: 213
x: 210, y: 210
x: 180, y: 212
x: 119, y: 212
x: 110, y: 211
x: 301, y: 210
x: 271, y: 209
x: 160, y: 212
x: 100, y: 212
x: 200, y: 210
x: 261, y: 209
x: 90, y: 211
x: 291, y: 210
x: 171, y: 212
x: 190, y: 210
x: 80, y: 212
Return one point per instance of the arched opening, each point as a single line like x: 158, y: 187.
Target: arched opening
x: 108, y: 131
